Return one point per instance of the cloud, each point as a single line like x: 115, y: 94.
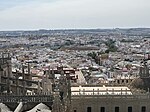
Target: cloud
x: 6, y: 4
x: 77, y: 14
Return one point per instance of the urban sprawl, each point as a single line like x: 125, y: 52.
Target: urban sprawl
x: 82, y: 70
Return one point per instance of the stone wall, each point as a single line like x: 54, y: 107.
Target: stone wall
x: 81, y: 103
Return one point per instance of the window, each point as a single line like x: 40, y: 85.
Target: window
x: 116, y: 109
x: 102, y: 109
x: 89, y: 109
x: 143, y: 109
x: 129, y: 109
x: 5, y: 73
x: 74, y: 109
x: 118, y: 81
x: 127, y: 81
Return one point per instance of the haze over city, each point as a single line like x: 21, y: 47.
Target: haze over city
x: 74, y: 56
x: 66, y: 14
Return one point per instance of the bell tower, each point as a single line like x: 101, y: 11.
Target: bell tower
x: 144, y: 70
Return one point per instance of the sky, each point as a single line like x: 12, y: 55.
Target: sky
x: 73, y: 14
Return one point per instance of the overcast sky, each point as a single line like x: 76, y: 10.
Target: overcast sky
x: 64, y: 14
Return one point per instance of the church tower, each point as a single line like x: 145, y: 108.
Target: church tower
x: 144, y: 70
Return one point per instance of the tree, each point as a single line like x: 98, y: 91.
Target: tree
x: 111, y: 46
x: 92, y: 55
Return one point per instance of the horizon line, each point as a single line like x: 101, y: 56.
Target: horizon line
x: 74, y: 29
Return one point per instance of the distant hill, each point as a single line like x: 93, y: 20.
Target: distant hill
x: 43, y: 32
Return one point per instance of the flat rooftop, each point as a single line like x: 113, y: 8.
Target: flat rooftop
x: 123, y: 90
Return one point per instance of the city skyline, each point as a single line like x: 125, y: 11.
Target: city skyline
x: 70, y: 14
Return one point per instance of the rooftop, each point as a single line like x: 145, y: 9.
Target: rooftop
x: 123, y: 90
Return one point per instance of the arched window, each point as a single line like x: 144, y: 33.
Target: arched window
x: 116, y: 109
x: 143, y: 109
x: 89, y: 109
x: 102, y: 109
x: 130, y: 109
